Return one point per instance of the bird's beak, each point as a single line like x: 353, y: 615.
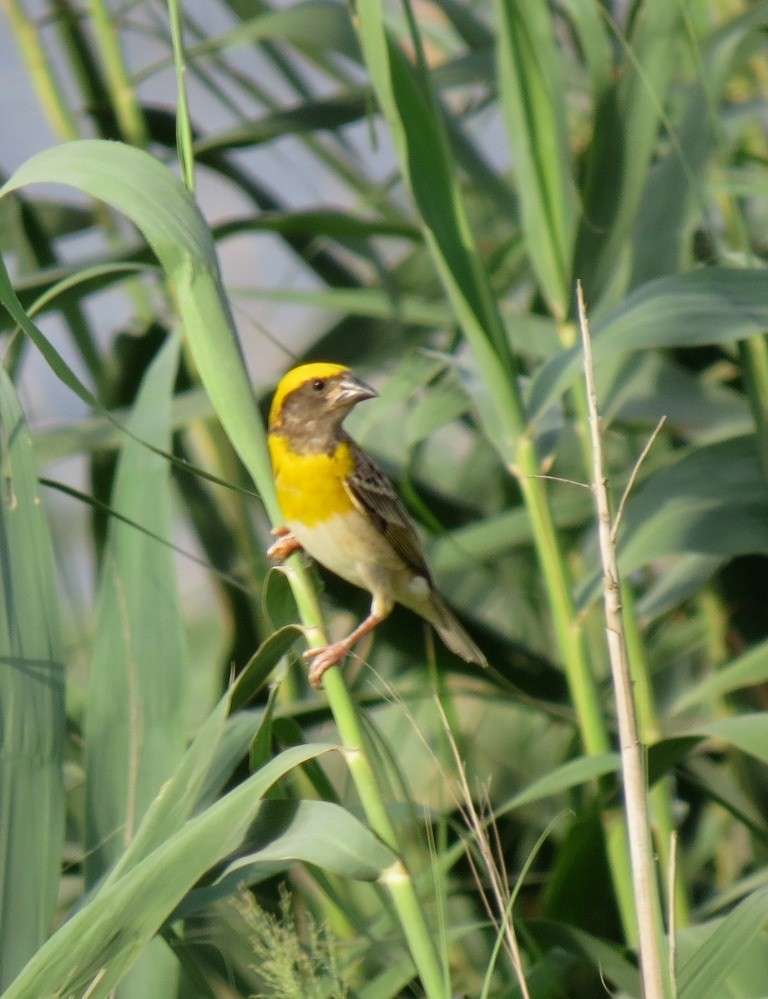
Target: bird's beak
x: 351, y: 390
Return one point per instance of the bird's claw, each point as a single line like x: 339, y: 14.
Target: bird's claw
x: 285, y: 545
x: 322, y: 658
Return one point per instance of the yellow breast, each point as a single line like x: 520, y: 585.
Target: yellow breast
x: 310, y: 487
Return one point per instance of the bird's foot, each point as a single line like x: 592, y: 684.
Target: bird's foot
x: 285, y: 545
x: 322, y: 658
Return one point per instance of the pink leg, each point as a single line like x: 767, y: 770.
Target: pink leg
x: 325, y: 656
x: 286, y: 544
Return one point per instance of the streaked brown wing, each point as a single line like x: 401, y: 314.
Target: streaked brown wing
x: 373, y: 493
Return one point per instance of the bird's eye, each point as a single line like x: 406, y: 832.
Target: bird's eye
x: 318, y: 384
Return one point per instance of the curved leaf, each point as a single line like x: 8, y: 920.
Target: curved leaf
x: 288, y: 832
x: 92, y: 952
x: 713, y: 501
x: 708, y: 306
x: 156, y: 201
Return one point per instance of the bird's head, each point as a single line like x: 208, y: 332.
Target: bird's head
x: 312, y: 400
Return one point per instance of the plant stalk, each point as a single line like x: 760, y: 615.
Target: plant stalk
x: 49, y: 92
x: 129, y: 117
x: 654, y: 971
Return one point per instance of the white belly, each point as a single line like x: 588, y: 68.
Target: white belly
x: 350, y: 546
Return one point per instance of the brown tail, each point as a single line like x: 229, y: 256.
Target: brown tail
x: 452, y: 633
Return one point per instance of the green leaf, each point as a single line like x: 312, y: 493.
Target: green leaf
x: 502, y: 533
x: 286, y: 832
x: 533, y: 98
x: 406, y: 309
x: 626, y: 126
x: 136, y: 725
x: 312, y: 25
x: 558, y: 938
x: 568, y: 775
x: 672, y: 202
x: 161, y: 207
x: 707, y: 306
x: 179, y: 796
x: 92, y: 952
x: 316, y: 115
x: 746, y: 670
x: 704, y: 974
x: 710, y: 502
x: 418, y: 129
x: 31, y: 702
x: 262, y: 662
x: 749, y: 733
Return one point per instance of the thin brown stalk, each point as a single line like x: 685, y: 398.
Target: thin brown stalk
x: 653, y: 971
x: 633, y: 477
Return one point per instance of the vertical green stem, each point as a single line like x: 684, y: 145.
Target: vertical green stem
x: 754, y: 362
x: 49, y: 93
x: 183, y: 125
x: 397, y: 879
x: 127, y: 111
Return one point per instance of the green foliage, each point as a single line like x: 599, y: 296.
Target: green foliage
x: 462, y: 165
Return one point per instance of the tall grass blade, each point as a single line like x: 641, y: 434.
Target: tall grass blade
x: 533, y: 98
x: 92, y: 952
x: 136, y: 726
x: 31, y: 702
x: 626, y: 124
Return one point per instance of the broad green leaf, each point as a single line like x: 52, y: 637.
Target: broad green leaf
x: 713, y: 305
x: 711, y: 502
x: 136, y: 725
x: 31, y: 702
x: 642, y: 388
x: 594, y: 39
x: 421, y: 144
x: 96, y: 432
x: 749, y: 733
x: 286, y: 832
x: 679, y: 581
x: 312, y: 25
x: 444, y: 402
x: 672, y: 201
x: 570, y: 774
x: 721, y: 786
x: 406, y: 309
x: 562, y: 938
x: 746, y: 670
x: 178, y: 797
x: 92, y: 952
x: 705, y: 973
x: 160, y: 206
x: 502, y: 533
x: 626, y: 125
x: 533, y: 99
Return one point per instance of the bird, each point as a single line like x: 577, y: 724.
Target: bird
x: 342, y: 510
